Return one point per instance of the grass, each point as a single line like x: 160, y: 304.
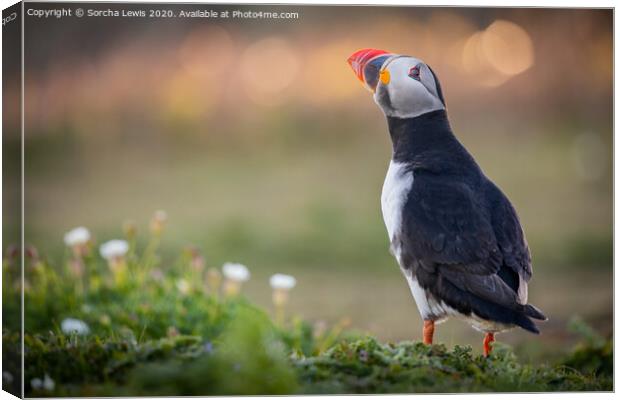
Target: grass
x: 368, y: 366
x: 157, y: 328
x: 252, y: 356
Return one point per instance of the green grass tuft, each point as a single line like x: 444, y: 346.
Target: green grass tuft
x: 159, y: 328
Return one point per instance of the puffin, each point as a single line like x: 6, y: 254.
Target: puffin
x: 455, y: 235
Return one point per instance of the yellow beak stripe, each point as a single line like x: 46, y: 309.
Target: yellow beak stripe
x: 384, y: 76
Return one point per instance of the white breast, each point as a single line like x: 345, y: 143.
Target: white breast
x: 396, y: 187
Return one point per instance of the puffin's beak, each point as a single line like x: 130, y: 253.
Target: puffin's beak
x: 362, y: 64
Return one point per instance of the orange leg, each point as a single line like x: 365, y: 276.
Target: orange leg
x: 427, y: 332
x: 486, y: 343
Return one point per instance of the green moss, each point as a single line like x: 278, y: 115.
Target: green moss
x: 251, y: 358
x: 594, y: 355
x: 366, y: 366
x: 152, y: 335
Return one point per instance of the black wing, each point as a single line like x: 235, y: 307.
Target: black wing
x: 508, y: 232
x: 446, y: 223
x: 466, y: 246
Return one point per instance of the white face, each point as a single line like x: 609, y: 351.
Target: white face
x: 407, y: 88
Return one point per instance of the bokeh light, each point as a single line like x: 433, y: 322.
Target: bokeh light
x: 208, y: 52
x: 501, y: 51
x: 267, y: 68
x: 508, y: 47
x: 326, y: 74
x: 477, y: 65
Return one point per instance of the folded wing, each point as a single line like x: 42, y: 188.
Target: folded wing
x: 466, y: 246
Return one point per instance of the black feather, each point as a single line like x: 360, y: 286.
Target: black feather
x: 437, y: 85
x: 469, y: 304
x: 460, y: 236
x: 510, y: 276
x: 534, y: 312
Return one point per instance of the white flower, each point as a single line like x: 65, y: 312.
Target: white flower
x: 77, y: 236
x: 281, y: 281
x: 36, y: 383
x: 114, y: 249
x: 72, y: 325
x: 236, y: 272
x: 48, y: 383
x: 183, y: 286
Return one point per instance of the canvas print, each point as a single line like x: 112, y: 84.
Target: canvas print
x: 228, y: 199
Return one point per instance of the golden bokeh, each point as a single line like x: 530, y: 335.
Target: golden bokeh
x: 217, y: 67
x: 508, y: 47
x: 183, y: 99
x: 476, y: 64
x: 207, y: 52
x: 493, y: 56
x: 268, y: 67
x: 326, y: 74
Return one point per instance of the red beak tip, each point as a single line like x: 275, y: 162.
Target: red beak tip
x: 367, y: 53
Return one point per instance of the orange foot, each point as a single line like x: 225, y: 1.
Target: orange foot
x: 486, y: 343
x: 427, y: 332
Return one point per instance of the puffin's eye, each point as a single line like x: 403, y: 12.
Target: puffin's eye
x: 414, y: 73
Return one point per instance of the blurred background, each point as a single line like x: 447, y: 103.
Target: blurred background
x: 263, y: 148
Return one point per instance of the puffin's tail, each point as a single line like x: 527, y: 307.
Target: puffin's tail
x: 534, y: 312
x: 466, y: 303
x: 525, y: 323
x: 519, y: 317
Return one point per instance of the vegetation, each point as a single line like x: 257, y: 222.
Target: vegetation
x: 122, y: 324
